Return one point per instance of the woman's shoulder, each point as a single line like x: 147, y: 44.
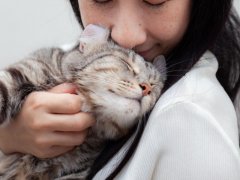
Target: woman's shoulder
x: 199, y: 95
x: 198, y: 82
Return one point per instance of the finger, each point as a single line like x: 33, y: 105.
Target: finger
x: 68, y: 139
x: 58, y: 103
x: 64, y: 88
x: 65, y: 104
x: 68, y: 123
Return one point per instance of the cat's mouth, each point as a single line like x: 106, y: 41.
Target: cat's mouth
x: 139, y: 100
x: 136, y: 98
x: 133, y: 101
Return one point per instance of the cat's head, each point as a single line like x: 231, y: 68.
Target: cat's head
x: 121, y: 87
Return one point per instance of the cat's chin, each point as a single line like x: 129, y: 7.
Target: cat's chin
x: 131, y: 105
x: 121, y: 110
x: 115, y: 122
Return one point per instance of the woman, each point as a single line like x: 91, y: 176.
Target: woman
x: 193, y: 126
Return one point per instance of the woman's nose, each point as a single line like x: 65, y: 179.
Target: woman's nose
x: 128, y: 31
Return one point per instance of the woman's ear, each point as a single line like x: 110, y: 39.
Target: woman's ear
x: 159, y: 63
x: 93, y: 36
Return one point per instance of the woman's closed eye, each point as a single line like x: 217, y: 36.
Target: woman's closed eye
x: 154, y: 3
x: 101, y: 2
x: 150, y: 3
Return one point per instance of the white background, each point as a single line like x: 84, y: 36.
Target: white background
x: 27, y: 25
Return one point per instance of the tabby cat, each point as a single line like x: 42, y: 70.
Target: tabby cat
x: 116, y: 85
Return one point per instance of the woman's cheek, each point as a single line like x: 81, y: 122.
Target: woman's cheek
x: 93, y: 15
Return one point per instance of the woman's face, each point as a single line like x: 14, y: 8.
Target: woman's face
x: 150, y: 27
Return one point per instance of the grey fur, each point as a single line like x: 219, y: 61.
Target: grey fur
x: 108, y: 79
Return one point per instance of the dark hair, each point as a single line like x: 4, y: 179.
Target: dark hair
x: 214, y: 25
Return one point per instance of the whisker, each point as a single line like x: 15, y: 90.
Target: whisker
x: 180, y: 62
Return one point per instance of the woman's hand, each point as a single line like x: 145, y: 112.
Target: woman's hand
x: 49, y: 124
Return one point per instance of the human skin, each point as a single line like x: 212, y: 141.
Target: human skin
x: 46, y: 127
x: 49, y: 124
x: 150, y: 27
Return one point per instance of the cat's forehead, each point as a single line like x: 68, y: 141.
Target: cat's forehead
x: 132, y: 60
x: 126, y: 58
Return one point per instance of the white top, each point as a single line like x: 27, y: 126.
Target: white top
x: 191, y: 134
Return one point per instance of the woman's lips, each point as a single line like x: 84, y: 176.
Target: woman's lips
x: 144, y: 53
x: 147, y: 54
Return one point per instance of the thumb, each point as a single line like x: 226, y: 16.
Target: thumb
x: 64, y: 88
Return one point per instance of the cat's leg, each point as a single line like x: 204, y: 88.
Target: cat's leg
x: 38, y: 72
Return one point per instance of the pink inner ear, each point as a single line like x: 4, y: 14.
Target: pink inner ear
x: 91, y: 30
x: 94, y: 33
x: 93, y: 36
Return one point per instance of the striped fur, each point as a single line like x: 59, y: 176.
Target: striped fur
x: 108, y: 79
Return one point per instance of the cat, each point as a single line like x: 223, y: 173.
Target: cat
x: 116, y: 85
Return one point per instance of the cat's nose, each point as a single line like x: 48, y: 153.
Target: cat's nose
x: 146, y: 88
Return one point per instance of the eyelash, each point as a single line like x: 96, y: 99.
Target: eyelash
x: 154, y: 5
x: 105, y: 2
x: 101, y: 3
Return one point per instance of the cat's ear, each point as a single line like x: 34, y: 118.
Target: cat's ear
x: 159, y: 63
x: 93, y: 36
